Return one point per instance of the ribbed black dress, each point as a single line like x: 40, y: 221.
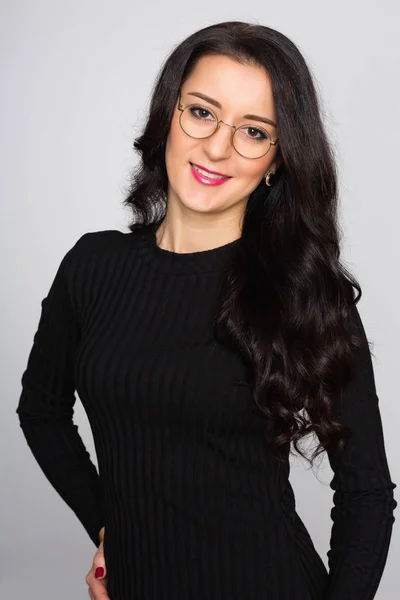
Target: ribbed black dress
x: 194, y: 506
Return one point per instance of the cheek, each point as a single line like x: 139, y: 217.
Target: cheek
x: 254, y: 171
x: 251, y: 173
x: 178, y: 146
x: 170, y: 149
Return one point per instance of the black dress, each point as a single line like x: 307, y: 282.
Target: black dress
x: 194, y: 506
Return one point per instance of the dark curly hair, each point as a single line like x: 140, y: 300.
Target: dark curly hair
x: 288, y: 306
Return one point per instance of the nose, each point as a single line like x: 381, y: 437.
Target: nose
x: 219, y: 145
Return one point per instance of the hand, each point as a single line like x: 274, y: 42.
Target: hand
x: 98, y: 586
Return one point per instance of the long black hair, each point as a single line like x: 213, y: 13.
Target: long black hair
x: 289, y: 306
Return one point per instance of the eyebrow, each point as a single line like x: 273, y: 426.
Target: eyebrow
x: 218, y: 105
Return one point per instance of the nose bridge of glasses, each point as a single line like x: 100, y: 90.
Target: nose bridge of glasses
x: 225, y: 123
x: 232, y: 127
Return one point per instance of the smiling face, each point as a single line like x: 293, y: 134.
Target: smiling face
x: 233, y: 90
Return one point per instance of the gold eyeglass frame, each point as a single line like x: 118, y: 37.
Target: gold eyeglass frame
x: 182, y: 108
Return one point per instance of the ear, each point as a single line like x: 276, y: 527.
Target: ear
x: 273, y: 167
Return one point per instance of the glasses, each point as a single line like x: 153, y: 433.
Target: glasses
x: 200, y: 123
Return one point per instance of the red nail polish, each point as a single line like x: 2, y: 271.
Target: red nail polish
x: 99, y: 572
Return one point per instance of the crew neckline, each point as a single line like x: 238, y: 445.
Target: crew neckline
x: 168, y: 261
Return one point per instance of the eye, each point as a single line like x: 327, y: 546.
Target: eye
x: 254, y: 133
x: 201, y: 113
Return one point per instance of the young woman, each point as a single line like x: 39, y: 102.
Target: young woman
x: 219, y: 331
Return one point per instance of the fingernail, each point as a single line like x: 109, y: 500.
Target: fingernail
x: 99, y: 572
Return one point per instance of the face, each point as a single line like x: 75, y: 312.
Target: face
x: 239, y: 90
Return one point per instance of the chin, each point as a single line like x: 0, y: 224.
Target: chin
x: 200, y: 205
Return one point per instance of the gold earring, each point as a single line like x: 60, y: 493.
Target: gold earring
x: 267, y: 178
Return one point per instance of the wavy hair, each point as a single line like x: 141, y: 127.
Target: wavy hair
x: 288, y: 306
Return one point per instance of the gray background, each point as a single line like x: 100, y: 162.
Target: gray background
x: 76, y: 78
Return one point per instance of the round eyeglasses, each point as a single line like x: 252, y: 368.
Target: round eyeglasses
x: 249, y: 141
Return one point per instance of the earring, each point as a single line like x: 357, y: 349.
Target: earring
x: 267, y: 178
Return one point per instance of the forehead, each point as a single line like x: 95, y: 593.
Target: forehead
x: 238, y: 87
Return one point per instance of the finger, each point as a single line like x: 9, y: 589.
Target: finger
x: 99, y: 590
x: 96, y: 578
x: 90, y: 579
x: 99, y: 561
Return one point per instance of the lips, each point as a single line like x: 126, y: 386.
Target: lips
x: 209, y: 171
x: 210, y: 179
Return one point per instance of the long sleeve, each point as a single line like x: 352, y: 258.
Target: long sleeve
x: 46, y: 403
x: 363, y: 497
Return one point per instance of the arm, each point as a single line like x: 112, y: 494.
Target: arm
x: 363, y: 491
x: 46, y: 403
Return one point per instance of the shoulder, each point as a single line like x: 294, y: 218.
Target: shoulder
x: 97, y: 241
x: 99, y: 247
x: 98, y: 254
x: 96, y: 261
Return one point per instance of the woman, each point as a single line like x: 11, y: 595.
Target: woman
x: 218, y: 331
